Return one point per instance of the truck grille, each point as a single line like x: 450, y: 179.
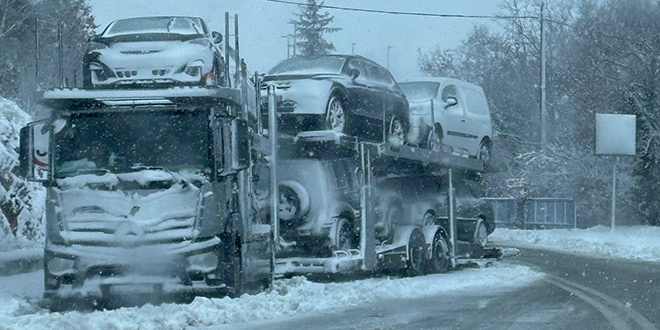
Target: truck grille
x: 114, y: 218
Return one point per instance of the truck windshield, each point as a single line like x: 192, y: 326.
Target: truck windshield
x: 125, y: 141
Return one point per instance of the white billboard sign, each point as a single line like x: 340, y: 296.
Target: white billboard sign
x: 615, y: 134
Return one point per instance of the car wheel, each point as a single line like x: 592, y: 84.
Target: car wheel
x: 335, y: 116
x: 434, y: 141
x: 345, y: 238
x: 396, y: 134
x: 439, y: 262
x: 416, y: 254
x: 480, y: 237
x: 484, y: 154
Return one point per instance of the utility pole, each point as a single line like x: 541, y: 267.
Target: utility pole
x: 388, y: 56
x: 544, y: 133
x: 353, y: 48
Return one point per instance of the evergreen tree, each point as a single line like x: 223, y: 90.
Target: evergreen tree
x: 311, y: 26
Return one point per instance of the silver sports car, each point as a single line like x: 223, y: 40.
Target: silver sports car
x: 152, y: 51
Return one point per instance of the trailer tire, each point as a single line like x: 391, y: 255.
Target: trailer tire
x: 439, y: 261
x: 345, y: 238
x: 416, y: 253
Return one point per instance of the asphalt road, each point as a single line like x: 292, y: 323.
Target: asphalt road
x: 577, y: 293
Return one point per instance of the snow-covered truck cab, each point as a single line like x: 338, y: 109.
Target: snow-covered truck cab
x: 148, y: 195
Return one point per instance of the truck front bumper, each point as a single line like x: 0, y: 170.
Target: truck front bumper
x: 164, y: 272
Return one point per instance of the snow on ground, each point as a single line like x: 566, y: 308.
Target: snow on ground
x: 23, y: 202
x: 634, y: 243
x: 290, y: 297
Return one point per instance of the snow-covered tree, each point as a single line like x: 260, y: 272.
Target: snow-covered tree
x: 311, y: 25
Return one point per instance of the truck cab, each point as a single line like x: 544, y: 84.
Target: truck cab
x: 148, y: 196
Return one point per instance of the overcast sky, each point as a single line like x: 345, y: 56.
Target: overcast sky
x: 262, y: 25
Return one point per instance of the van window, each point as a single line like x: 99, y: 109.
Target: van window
x: 476, y: 102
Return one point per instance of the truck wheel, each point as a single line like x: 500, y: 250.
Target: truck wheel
x: 345, y: 235
x: 416, y: 254
x: 439, y: 262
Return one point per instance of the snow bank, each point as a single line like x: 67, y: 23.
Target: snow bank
x: 289, y: 297
x: 21, y: 202
x: 635, y: 243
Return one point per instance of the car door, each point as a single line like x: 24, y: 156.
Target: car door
x: 453, y: 119
x: 358, y: 90
x: 478, y: 117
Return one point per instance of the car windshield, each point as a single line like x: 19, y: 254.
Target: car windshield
x: 148, y: 25
x: 120, y: 142
x: 302, y: 66
x: 420, y: 91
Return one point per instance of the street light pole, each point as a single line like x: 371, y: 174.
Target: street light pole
x: 353, y: 48
x: 288, y: 46
x: 388, y: 56
x: 544, y: 133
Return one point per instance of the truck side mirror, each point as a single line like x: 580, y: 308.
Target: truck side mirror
x: 34, y: 156
x: 232, y: 147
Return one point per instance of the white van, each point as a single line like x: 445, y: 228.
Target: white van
x: 456, y: 110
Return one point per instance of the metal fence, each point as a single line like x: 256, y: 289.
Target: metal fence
x: 534, y: 213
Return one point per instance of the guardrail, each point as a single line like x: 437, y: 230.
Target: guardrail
x: 534, y: 213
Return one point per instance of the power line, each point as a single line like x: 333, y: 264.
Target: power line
x: 404, y: 13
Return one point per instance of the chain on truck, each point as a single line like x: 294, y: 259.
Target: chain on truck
x: 166, y: 194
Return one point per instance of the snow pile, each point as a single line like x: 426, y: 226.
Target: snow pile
x: 21, y: 203
x: 289, y: 297
x: 635, y: 243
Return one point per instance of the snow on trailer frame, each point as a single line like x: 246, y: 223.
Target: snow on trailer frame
x: 72, y: 99
x: 374, y: 157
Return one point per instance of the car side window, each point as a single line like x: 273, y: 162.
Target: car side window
x: 451, y: 91
x: 356, y: 64
x: 379, y: 75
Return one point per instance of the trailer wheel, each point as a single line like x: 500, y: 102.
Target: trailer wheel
x: 397, y: 135
x: 345, y: 238
x: 480, y: 236
x: 439, y: 261
x: 416, y: 254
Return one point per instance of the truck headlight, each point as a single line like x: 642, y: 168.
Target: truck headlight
x: 204, y: 262
x: 60, y: 266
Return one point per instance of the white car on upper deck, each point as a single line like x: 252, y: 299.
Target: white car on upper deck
x: 451, y: 115
x: 154, y: 51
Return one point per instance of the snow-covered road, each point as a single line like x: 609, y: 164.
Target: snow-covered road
x: 20, y: 293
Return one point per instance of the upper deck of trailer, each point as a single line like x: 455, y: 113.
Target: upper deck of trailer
x: 83, y: 99
x: 383, y: 156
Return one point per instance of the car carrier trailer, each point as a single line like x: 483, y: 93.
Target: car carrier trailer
x: 392, y: 231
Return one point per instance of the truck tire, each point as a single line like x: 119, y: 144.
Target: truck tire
x: 439, y: 261
x: 416, y: 253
